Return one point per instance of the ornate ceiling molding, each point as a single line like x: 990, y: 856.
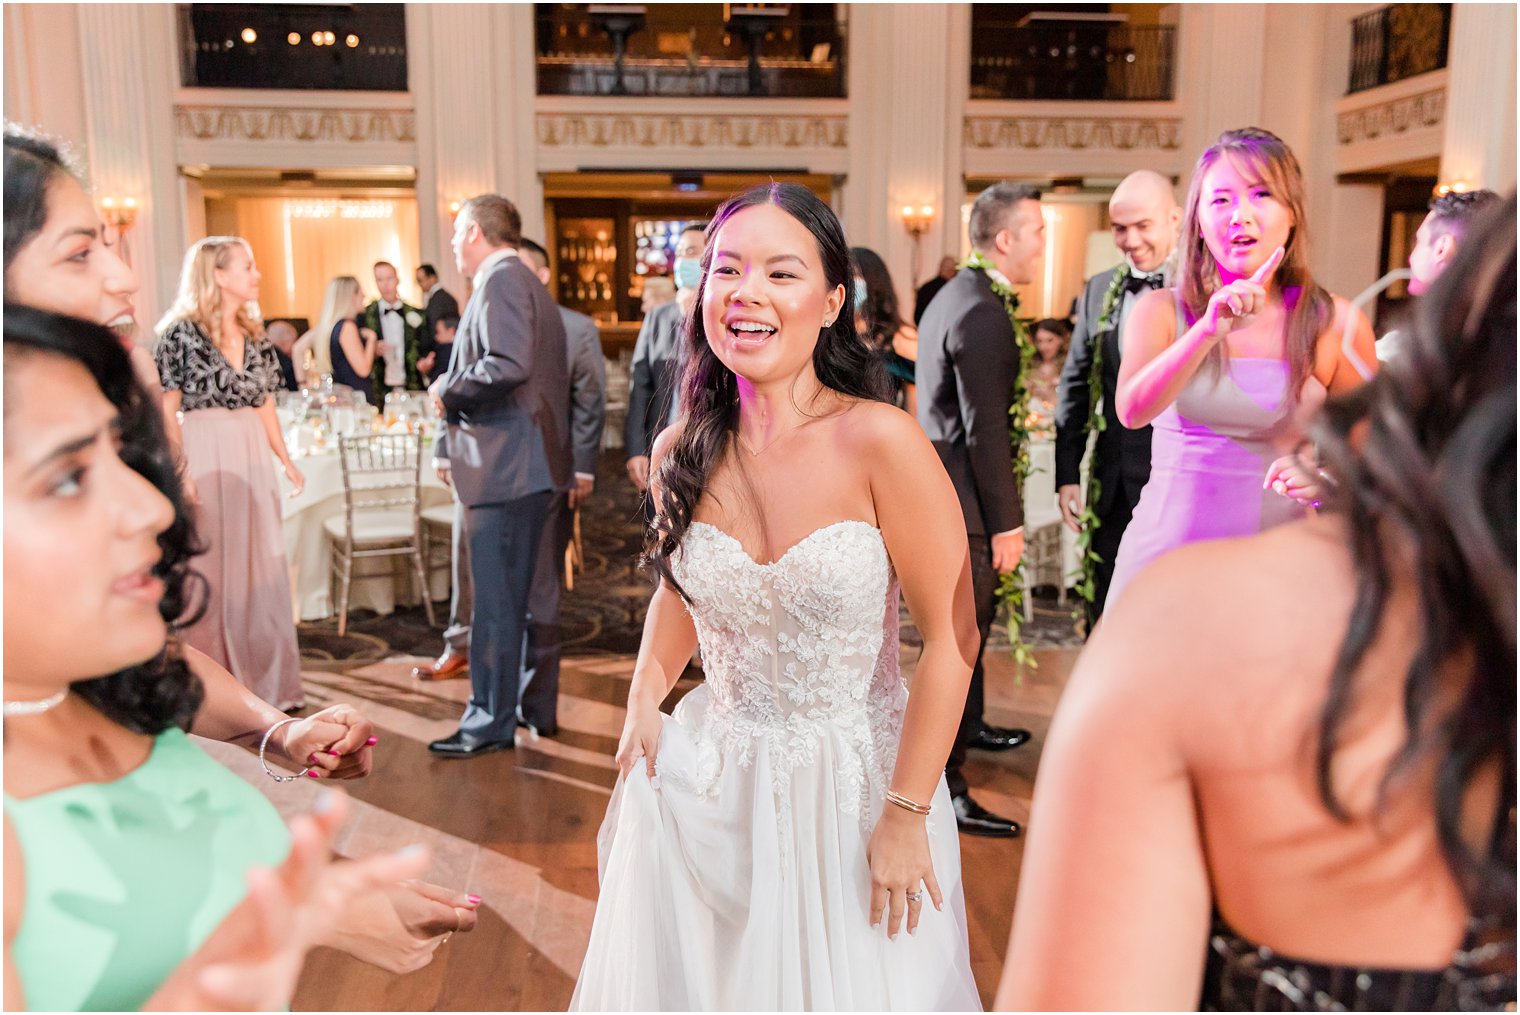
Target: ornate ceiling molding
x: 1397, y: 115
x: 285, y: 124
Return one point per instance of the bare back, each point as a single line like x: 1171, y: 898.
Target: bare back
x: 1179, y: 777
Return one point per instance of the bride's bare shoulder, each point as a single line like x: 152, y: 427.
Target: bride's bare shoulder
x: 869, y: 425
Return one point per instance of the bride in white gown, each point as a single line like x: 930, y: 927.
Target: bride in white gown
x: 767, y: 846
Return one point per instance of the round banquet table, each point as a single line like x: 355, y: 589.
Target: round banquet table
x: 379, y: 583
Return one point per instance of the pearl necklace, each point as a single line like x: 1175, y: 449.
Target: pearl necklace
x: 18, y: 708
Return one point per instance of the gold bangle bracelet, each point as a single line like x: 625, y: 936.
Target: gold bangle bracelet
x: 894, y: 797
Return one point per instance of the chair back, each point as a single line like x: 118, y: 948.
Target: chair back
x: 381, y: 472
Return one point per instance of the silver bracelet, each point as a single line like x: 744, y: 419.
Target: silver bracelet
x: 263, y: 744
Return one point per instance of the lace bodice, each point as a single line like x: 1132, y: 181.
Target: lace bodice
x: 798, y: 652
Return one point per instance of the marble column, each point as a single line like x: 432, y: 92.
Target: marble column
x: 1479, y: 148
x: 129, y: 71
x: 908, y: 82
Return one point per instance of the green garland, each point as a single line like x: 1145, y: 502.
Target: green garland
x: 1010, y: 590
x: 1096, y: 422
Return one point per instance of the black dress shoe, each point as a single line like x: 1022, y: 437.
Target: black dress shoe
x: 542, y: 731
x: 997, y: 738
x: 974, y: 819
x: 466, y: 745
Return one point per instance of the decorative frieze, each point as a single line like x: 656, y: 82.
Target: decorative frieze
x: 294, y: 124
x: 690, y: 131
x: 1398, y: 115
x: 1072, y: 133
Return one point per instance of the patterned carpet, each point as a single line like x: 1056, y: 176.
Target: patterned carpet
x: 604, y: 613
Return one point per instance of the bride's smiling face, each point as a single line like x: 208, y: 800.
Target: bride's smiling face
x: 766, y: 296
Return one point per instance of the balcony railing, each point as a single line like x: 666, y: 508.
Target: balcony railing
x: 1398, y: 42
x: 688, y: 49
x: 1113, y: 63
x: 311, y: 46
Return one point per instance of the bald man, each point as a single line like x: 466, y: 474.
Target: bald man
x: 282, y: 335
x: 1146, y: 220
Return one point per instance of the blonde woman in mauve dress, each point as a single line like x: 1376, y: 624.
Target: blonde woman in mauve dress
x: 217, y: 368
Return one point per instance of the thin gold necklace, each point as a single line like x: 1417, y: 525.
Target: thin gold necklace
x: 756, y: 454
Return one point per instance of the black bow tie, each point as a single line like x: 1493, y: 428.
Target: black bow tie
x: 1139, y: 283
x: 391, y: 310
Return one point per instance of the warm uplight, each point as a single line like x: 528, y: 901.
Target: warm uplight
x: 316, y: 38
x: 1454, y: 187
x: 250, y: 36
x: 352, y: 41
x: 454, y: 207
x: 328, y: 38
x: 294, y: 38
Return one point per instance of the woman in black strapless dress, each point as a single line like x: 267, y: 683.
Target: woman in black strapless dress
x: 347, y: 351
x: 1282, y: 774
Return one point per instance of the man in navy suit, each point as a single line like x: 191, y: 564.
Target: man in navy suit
x: 505, y: 401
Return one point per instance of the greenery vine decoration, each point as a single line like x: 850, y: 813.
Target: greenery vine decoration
x: 1010, y: 590
x: 1096, y: 423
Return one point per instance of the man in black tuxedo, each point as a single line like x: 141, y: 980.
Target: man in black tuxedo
x: 968, y: 363
x: 655, y: 373
x: 1145, y: 220
x: 405, y: 350
x: 437, y: 304
x: 506, y: 405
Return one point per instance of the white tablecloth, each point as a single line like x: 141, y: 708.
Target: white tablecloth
x: 308, y: 550
x: 1041, y: 509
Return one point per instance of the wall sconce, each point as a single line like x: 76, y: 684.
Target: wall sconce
x: 454, y: 207
x: 917, y: 220
x: 1454, y: 187
x: 119, y: 213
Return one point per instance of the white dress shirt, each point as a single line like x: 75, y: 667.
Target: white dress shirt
x: 393, y: 335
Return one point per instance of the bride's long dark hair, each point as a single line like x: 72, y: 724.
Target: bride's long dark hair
x: 710, y: 392
x: 1425, y: 455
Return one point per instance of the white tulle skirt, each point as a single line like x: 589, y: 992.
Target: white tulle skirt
x: 737, y: 879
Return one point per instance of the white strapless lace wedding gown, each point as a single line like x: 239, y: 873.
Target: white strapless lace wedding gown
x: 737, y: 878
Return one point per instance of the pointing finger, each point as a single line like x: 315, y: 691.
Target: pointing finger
x: 1269, y: 266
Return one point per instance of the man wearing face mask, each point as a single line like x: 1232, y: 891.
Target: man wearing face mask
x: 1145, y: 219
x: 968, y: 363
x: 657, y: 358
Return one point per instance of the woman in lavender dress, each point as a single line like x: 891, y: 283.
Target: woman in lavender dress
x: 1226, y: 364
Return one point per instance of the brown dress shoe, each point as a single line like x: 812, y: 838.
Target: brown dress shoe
x: 445, y: 667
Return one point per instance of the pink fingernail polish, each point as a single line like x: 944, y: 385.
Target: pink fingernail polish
x: 311, y: 759
x: 333, y: 752
x: 312, y: 775
x: 474, y: 899
x: 371, y: 742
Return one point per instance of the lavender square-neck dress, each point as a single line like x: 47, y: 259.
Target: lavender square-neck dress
x: 1210, y: 452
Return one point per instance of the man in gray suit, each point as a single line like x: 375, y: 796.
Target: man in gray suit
x: 588, y: 414
x: 505, y: 402
x: 655, y: 372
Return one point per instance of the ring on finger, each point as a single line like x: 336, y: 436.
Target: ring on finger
x: 914, y: 896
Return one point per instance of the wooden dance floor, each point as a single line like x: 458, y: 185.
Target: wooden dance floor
x: 519, y: 828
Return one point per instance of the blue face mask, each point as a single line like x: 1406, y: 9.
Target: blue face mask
x: 687, y: 272
x: 861, y: 292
